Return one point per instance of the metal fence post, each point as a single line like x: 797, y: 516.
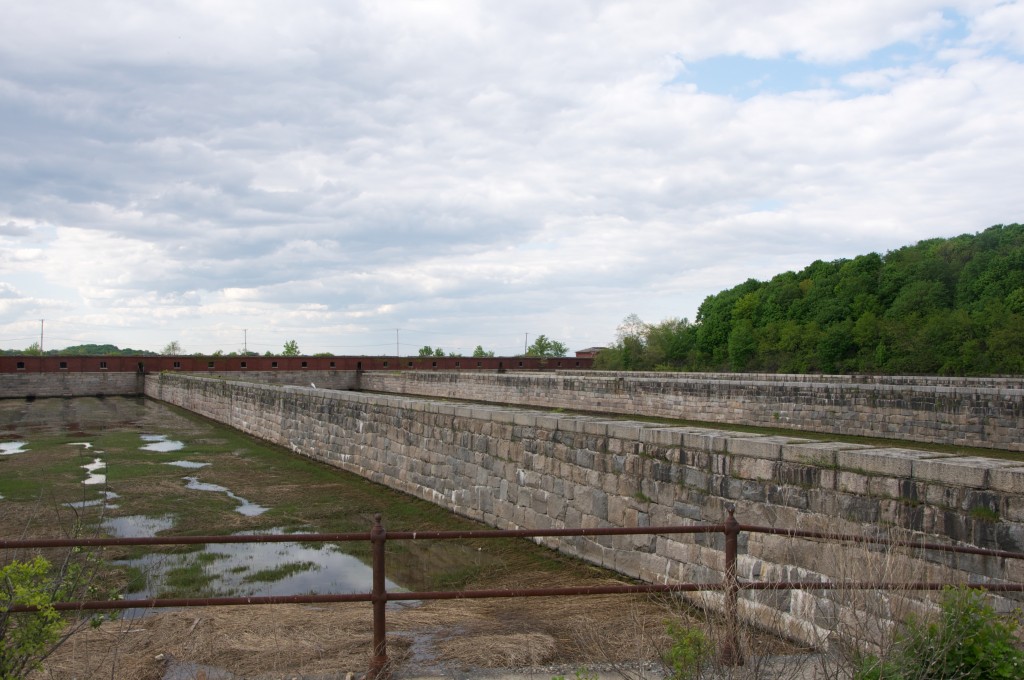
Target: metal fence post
x: 378, y: 664
x: 730, y: 652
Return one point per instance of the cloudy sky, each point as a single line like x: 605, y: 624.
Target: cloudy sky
x: 221, y: 172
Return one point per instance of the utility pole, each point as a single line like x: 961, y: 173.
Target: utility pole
x: 397, y: 353
x: 42, y: 322
x: 526, y: 337
x: 245, y: 341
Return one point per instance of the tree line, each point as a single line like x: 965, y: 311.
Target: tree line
x: 951, y: 306
x: 541, y: 347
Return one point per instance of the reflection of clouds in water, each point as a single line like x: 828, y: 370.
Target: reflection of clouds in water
x: 247, y: 508
x: 84, y: 445
x: 94, y: 477
x: 137, y: 526
x: 107, y: 496
x: 318, y: 569
x: 189, y: 464
x: 160, y: 443
x: 11, y: 448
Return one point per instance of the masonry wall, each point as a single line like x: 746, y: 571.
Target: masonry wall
x: 982, y: 412
x: 66, y: 384
x: 515, y: 468
x: 331, y: 380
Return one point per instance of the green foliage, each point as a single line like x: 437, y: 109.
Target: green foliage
x: 78, y: 350
x: 428, y: 351
x: 688, y: 651
x: 173, y: 348
x: 969, y: 641
x: 479, y: 352
x: 943, y: 306
x: 545, y: 347
x: 984, y: 514
x: 27, y: 638
x: 291, y: 349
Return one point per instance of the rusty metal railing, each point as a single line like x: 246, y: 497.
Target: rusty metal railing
x: 730, y: 586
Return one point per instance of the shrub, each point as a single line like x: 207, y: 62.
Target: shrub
x: 27, y: 638
x: 968, y: 641
x: 688, y: 651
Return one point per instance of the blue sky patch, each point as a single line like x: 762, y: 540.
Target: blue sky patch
x: 744, y: 77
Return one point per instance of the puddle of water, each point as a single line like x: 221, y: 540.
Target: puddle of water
x: 137, y: 526
x: 240, y: 569
x: 84, y: 445
x: 247, y: 508
x: 160, y: 443
x: 11, y: 448
x: 95, y: 477
x: 189, y: 464
x: 107, y: 496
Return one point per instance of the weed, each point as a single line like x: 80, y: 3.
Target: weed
x: 688, y: 651
x: 984, y: 514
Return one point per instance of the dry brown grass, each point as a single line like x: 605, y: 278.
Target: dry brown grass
x: 318, y: 640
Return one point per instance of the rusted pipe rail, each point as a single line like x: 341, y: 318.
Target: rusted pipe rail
x: 730, y: 585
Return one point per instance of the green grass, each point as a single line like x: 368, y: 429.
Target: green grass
x: 192, y: 580
x: 280, y: 572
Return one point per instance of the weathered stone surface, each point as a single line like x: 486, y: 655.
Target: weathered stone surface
x: 516, y: 468
x: 894, y: 462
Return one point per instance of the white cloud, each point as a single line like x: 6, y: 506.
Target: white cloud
x: 470, y: 169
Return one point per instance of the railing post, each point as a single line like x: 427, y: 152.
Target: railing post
x: 378, y: 664
x: 730, y: 652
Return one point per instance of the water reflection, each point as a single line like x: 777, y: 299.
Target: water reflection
x: 137, y: 526
x: 247, y: 508
x: 11, y: 448
x: 104, y: 501
x: 160, y: 443
x: 189, y: 464
x: 94, y: 477
x: 239, y: 569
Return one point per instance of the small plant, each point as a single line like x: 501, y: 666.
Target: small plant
x: 984, y: 514
x: 969, y: 641
x: 28, y: 638
x: 687, y: 652
x: 642, y: 497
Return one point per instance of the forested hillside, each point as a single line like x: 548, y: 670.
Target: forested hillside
x: 943, y: 306
x: 80, y: 350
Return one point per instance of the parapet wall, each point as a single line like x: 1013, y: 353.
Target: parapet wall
x: 515, y: 468
x: 982, y: 412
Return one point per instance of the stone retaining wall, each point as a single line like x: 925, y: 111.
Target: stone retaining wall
x: 981, y: 412
x: 68, y: 384
x: 515, y: 468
